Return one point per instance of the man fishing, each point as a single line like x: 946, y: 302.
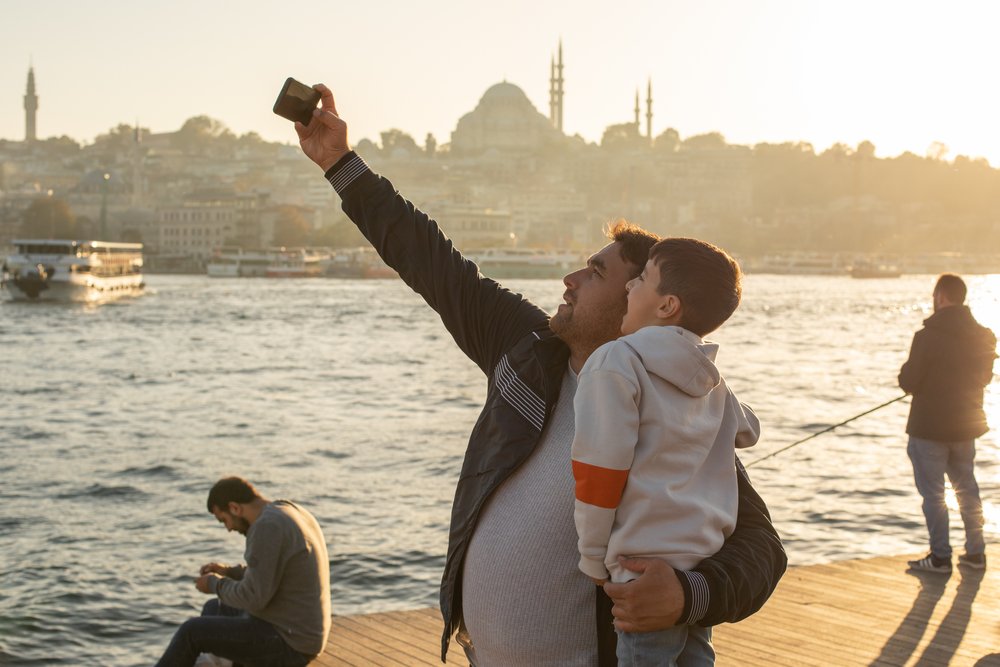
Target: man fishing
x: 950, y: 362
x: 511, y: 589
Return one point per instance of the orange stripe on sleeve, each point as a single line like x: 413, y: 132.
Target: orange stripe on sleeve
x: 601, y: 487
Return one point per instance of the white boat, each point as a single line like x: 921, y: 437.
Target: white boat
x: 239, y: 263
x: 505, y: 263
x: 799, y: 263
x: 296, y: 263
x: 874, y: 270
x: 65, y: 270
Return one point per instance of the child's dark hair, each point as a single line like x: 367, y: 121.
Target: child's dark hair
x: 704, y: 277
x: 231, y: 490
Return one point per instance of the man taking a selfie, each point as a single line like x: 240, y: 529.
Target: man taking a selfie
x: 511, y: 588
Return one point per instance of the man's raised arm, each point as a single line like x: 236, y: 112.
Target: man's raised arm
x: 484, y: 318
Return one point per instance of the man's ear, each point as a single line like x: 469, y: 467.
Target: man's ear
x: 670, y: 309
x: 235, y: 509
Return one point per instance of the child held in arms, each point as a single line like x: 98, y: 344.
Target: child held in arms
x: 656, y: 432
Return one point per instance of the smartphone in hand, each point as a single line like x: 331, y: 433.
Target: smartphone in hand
x: 296, y: 101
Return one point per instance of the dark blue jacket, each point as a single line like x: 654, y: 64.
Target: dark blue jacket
x: 508, y: 337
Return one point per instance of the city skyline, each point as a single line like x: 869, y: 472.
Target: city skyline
x: 902, y: 76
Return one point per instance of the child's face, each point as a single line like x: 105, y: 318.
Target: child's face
x: 644, y: 302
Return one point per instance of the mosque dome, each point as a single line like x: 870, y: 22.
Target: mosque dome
x: 506, y: 120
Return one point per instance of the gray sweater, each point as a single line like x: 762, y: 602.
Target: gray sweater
x: 286, y: 581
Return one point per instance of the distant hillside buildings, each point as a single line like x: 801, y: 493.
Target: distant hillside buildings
x: 509, y: 176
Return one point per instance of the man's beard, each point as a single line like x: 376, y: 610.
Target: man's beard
x: 241, y: 526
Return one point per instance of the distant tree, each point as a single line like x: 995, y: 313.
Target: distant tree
x: 668, y: 141
x: 366, y: 148
x: 394, y: 141
x: 62, y: 144
x: 201, y: 133
x: 117, y: 140
x: 48, y: 218
x: 340, y: 234
x: 937, y: 151
x: 705, y: 142
x: 865, y: 150
x: 622, y: 136
x: 291, y: 227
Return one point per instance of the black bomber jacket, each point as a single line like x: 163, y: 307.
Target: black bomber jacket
x: 507, y: 336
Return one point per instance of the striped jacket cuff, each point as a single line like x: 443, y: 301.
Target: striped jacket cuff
x: 346, y: 171
x: 696, y: 596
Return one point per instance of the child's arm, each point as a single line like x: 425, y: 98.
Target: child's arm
x: 607, y: 428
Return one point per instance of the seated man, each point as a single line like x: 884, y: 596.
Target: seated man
x: 274, y: 610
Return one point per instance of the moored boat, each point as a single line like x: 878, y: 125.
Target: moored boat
x: 875, y: 270
x: 68, y: 270
x: 296, y: 263
x: 504, y: 263
x: 231, y: 262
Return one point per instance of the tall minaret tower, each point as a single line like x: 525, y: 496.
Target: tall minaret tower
x: 556, y: 91
x: 649, y: 110
x: 30, y: 107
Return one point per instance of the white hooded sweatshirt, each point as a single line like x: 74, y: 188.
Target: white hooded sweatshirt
x: 654, y: 452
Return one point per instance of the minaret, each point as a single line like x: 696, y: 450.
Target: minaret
x: 649, y: 110
x: 137, y: 165
x: 637, y: 125
x: 552, y: 90
x: 556, y: 91
x: 30, y: 107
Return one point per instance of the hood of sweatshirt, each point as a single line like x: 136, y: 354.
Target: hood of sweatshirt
x: 677, y: 356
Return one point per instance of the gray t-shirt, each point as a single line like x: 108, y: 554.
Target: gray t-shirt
x: 524, y: 600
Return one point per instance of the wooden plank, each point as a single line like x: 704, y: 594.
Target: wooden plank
x: 862, y: 612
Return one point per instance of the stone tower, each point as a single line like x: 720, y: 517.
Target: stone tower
x: 556, y: 91
x: 30, y: 108
x: 649, y: 110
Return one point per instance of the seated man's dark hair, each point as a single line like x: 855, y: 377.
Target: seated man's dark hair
x: 704, y: 277
x: 231, y: 490
x: 952, y: 287
x: 635, y: 243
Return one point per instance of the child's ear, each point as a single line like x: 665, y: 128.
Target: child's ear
x: 670, y: 308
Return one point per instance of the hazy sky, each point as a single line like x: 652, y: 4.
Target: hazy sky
x: 901, y: 74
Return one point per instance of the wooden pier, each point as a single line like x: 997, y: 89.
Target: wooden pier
x: 857, y: 612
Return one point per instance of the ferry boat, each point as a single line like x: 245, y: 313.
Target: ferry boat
x: 798, y: 263
x: 503, y: 263
x: 229, y: 262
x: 296, y: 263
x: 872, y: 270
x: 66, y: 270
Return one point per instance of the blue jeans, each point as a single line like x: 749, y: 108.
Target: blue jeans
x: 233, y: 634
x: 680, y: 646
x: 931, y: 460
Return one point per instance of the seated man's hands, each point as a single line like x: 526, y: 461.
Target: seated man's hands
x: 205, y: 584
x: 217, y: 568
x: 324, y: 139
x: 654, y: 601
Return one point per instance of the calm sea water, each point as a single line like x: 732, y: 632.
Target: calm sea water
x: 349, y: 397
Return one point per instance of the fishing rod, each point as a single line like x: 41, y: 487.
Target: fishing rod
x: 826, y: 430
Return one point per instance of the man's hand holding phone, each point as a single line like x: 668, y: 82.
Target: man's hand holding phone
x: 324, y: 139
